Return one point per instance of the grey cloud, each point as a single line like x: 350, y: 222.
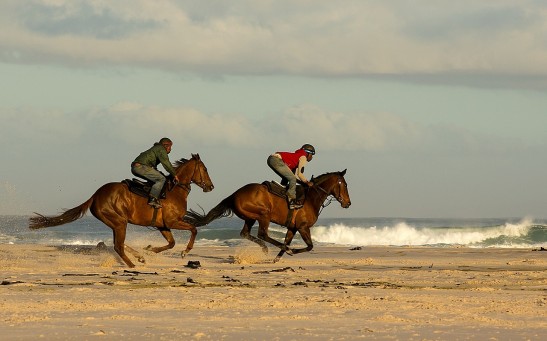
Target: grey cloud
x: 437, y: 23
x: 360, y: 39
x: 81, y: 19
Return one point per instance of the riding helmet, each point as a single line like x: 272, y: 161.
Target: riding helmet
x: 309, y: 148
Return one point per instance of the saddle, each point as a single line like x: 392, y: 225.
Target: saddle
x: 278, y: 189
x: 142, y: 188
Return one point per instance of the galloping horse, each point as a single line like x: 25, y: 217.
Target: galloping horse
x: 253, y: 202
x: 115, y: 205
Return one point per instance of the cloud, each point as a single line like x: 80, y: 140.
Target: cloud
x: 129, y: 123
x: 348, y: 131
x: 86, y: 19
x: 319, y: 38
x: 41, y: 133
x: 331, y: 130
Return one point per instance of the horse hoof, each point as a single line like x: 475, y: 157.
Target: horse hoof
x: 276, y: 259
x: 183, y: 254
x: 141, y: 260
x: 148, y: 248
x: 289, y: 252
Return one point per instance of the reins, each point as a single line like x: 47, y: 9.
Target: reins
x: 186, y: 187
x: 330, y: 198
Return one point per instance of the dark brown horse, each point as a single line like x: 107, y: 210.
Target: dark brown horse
x: 254, y: 202
x: 115, y: 205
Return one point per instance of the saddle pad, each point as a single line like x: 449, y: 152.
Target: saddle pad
x: 138, y: 187
x: 276, y: 188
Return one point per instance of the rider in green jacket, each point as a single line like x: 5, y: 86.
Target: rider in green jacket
x: 145, y: 166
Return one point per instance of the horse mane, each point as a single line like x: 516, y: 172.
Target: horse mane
x: 321, y: 178
x: 182, y: 161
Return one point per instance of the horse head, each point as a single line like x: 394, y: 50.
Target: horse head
x: 334, y: 184
x: 194, y: 170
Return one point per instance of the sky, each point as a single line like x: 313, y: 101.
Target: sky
x: 435, y: 108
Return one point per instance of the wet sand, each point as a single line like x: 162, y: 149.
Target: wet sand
x: 237, y: 293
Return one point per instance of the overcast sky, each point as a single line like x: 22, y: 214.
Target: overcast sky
x: 436, y: 108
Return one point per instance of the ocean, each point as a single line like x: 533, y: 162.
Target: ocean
x: 351, y: 232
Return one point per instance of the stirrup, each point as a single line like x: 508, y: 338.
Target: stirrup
x: 294, y: 204
x: 154, y: 203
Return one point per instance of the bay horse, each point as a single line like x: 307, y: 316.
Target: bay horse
x: 116, y: 206
x: 253, y: 202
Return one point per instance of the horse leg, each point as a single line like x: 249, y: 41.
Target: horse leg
x: 190, y: 245
x: 246, y: 233
x: 306, y: 236
x: 166, y: 233
x: 119, y: 246
x: 263, y: 234
x: 119, y: 229
x: 178, y: 224
x: 135, y: 253
x: 288, y: 239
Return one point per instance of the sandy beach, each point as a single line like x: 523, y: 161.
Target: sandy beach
x: 237, y: 293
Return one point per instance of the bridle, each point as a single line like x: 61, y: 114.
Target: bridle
x: 200, y: 183
x: 330, y: 197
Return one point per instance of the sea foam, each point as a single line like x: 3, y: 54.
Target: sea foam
x: 402, y: 233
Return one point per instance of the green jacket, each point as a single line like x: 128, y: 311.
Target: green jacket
x: 154, y: 156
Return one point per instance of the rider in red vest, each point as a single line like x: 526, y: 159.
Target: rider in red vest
x: 290, y: 167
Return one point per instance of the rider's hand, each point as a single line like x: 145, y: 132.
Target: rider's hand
x: 309, y: 183
x: 176, y: 178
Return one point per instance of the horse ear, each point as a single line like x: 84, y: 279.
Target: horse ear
x: 343, y: 172
x: 195, y: 156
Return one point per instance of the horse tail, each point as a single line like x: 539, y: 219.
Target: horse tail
x: 40, y: 221
x: 223, y: 209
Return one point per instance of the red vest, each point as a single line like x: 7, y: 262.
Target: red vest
x: 291, y: 159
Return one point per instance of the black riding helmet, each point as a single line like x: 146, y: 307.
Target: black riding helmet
x: 309, y: 148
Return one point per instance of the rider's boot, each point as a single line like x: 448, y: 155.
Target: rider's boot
x: 154, y: 202
x: 293, y: 203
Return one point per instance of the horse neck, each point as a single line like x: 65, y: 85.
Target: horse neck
x: 185, y: 172
x: 320, y: 194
